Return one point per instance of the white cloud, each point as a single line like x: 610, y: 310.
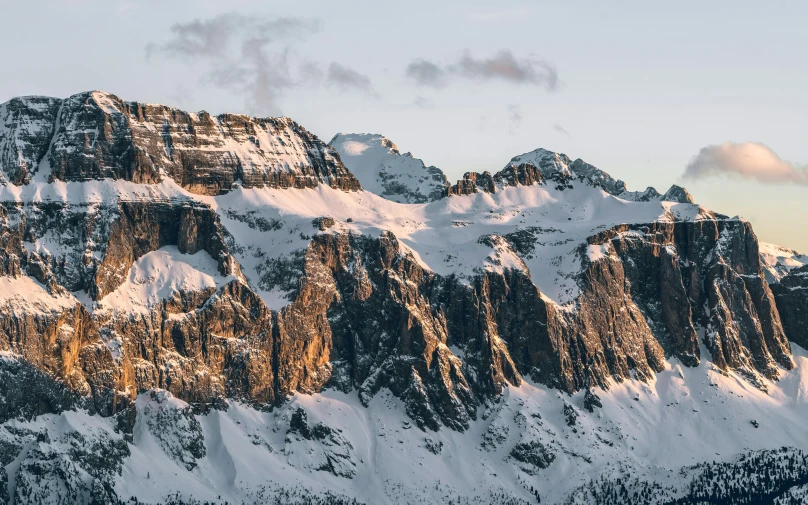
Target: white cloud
x: 749, y: 160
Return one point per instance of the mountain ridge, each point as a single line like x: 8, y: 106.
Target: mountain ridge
x: 177, y: 328
x: 95, y: 135
x: 537, y: 164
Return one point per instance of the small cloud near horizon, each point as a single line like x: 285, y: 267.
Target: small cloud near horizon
x: 748, y: 160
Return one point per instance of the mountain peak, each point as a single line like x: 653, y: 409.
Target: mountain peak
x: 381, y: 168
x: 553, y: 164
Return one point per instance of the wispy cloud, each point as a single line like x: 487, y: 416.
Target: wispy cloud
x: 505, y: 66
x: 502, y: 66
x: 560, y: 129
x: 426, y: 73
x: 346, y: 78
x: 423, y: 103
x: 749, y: 160
x: 514, y: 118
x: 254, y: 56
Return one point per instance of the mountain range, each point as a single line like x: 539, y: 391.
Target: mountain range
x: 226, y: 309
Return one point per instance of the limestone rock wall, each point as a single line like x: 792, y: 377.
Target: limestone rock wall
x: 96, y: 135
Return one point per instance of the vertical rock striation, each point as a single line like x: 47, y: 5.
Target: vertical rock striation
x: 95, y: 135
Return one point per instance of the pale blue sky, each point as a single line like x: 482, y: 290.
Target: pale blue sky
x: 643, y: 85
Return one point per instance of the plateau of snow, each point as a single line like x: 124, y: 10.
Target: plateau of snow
x: 160, y: 274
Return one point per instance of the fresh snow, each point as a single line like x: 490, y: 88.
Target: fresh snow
x: 444, y: 236
x: 381, y: 169
x: 104, y: 191
x: 651, y: 430
x: 779, y: 261
x: 23, y: 294
x: 159, y: 275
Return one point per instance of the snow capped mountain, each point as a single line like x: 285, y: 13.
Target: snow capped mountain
x: 779, y: 261
x: 96, y: 135
x: 553, y: 164
x: 210, y: 309
x: 383, y: 170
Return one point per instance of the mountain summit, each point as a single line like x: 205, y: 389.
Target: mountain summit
x: 382, y: 169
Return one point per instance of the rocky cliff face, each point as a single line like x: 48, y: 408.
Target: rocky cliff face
x: 366, y: 315
x: 96, y: 135
x: 150, y: 305
x: 515, y: 175
x: 791, y: 296
x: 713, y: 265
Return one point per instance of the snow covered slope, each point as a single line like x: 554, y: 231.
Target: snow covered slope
x: 654, y: 438
x: 444, y: 236
x: 160, y: 275
x: 779, y: 261
x: 383, y: 170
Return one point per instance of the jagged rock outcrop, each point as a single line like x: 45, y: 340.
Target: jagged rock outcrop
x: 104, y: 353
x: 556, y: 170
x: 676, y: 194
x: 141, y: 227
x: 326, y: 449
x: 472, y: 182
x: 96, y: 135
x: 172, y: 424
x: 704, y: 274
x: 552, y: 164
x: 26, y: 129
x: 386, y: 334
x: 513, y: 175
x: 791, y: 296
